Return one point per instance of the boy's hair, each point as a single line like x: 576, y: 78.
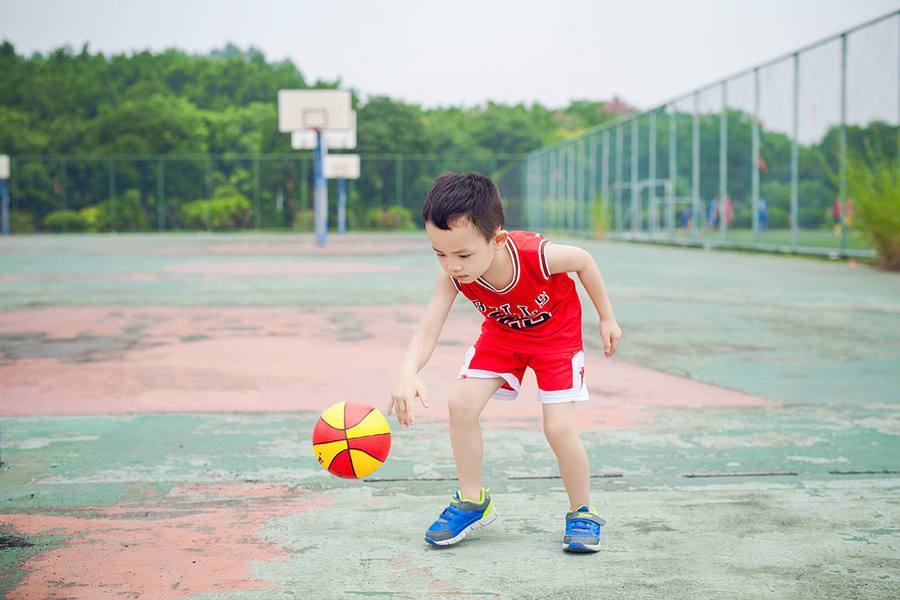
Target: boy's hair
x: 470, y: 195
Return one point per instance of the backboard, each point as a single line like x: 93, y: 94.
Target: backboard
x: 335, y: 139
x: 313, y: 109
x: 341, y: 166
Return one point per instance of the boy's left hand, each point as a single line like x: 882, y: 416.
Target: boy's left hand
x: 610, y: 333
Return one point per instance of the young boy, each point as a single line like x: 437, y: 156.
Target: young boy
x: 532, y: 318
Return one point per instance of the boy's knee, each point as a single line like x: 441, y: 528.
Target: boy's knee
x: 559, y: 430
x: 462, y: 407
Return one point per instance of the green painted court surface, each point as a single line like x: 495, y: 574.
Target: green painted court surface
x: 824, y: 239
x: 206, y: 486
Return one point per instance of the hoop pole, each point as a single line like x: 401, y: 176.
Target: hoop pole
x: 342, y: 205
x: 320, y: 195
x: 4, y: 194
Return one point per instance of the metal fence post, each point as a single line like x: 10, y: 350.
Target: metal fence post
x: 604, y: 182
x: 562, y: 208
x: 581, y: 185
x: 209, y: 191
x: 562, y: 189
x: 553, y: 188
x: 529, y: 176
x: 538, y: 198
x: 754, y: 159
x: 566, y: 194
x: 530, y: 186
x: 571, y: 191
x: 256, y: 191
x: 620, y: 177
x: 575, y: 151
x: 160, y: 194
x: 842, y: 147
x: 112, y: 195
x: 723, y: 163
x: 695, y: 165
x: 548, y: 196
x: 398, y: 180
x: 592, y: 180
x: 568, y: 188
x: 651, y: 175
x: 64, y: 190
x: 673, y: 170
x: 547, y: 189
x: 549, y: 209
x: 559, y: 190
x: 635, y: 224
x: 795, y: 154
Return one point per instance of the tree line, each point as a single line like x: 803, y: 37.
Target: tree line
x: 86, y: 105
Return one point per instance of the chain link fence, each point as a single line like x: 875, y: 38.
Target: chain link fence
x: 755, y: 160
x: 69, y: 193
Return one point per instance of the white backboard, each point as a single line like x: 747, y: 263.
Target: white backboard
x: 313, y: 109
x: 4, y: 166
x: 341, y: 166
x: 335, y: 139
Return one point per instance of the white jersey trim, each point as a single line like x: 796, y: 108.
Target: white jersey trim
x: 545, y: 267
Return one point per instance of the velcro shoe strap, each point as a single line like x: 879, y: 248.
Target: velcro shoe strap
x: 587, y: 517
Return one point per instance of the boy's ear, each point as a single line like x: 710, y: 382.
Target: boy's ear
x: 500, y: 237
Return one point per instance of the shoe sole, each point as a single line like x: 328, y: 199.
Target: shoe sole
x: 483, y: 522
x: 579, y: 547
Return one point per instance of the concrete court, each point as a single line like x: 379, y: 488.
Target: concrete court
x: 159, y: 393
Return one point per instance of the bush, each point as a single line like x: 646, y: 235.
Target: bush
x: 779, y: 218
x: 873, y: 186
x: 305, y: 220
x: 122, y: 213
x: 65, y: 220
x: 395, y: 218
x: 90, y: 216
x: 229, y: 209
x: 20, y: 222
x: 600, y: 216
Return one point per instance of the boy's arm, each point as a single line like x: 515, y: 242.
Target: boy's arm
x: 568, y: 259
x: 419, y: 350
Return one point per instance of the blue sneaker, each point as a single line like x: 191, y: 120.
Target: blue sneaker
x: 583, y: 530
x: 459, y: 517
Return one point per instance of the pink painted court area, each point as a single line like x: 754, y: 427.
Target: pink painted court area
x: 188, y: 359
x: 159, y: 394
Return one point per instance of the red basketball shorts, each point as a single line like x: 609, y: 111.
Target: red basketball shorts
x: 560, y: 375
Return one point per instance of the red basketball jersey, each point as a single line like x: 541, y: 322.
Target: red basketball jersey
x: 536, y: 311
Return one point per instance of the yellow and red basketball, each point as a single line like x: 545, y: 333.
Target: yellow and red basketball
x: 351, y: 440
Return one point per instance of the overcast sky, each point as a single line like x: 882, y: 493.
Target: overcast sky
x: 457, y: 52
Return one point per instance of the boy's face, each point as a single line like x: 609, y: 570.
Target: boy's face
x: 462, y: 250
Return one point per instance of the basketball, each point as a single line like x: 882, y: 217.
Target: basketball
x: 351, y: 440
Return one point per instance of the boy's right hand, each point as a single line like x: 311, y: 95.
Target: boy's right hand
x: 406, y: 389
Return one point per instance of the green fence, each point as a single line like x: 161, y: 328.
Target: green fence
x: 69, y: 193
x: 754, y: 160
